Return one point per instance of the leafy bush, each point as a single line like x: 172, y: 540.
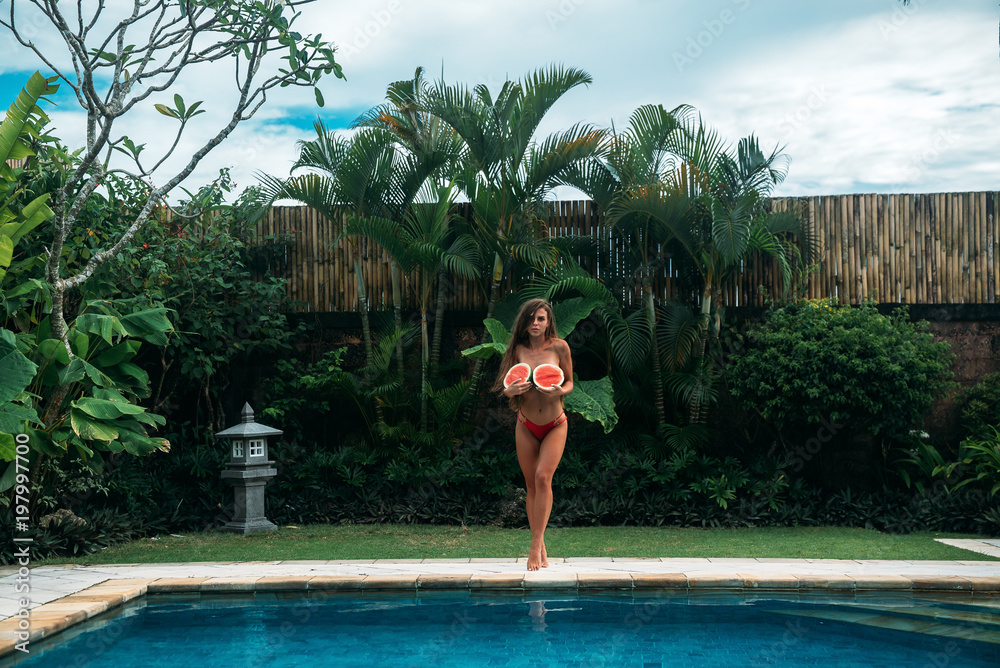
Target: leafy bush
x: 69, y: 536
x: 818, y: 368
x: 979, y: 407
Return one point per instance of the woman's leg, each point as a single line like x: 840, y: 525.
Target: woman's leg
x: 527, y: 457
x: 538, y: 463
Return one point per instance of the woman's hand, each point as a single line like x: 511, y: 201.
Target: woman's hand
x: 518, y: 388
x: 554, y: 391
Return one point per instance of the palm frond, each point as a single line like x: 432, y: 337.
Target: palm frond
x: 678, y: 333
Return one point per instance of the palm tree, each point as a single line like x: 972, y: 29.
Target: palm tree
x: 724, y: 219
x: 638, y: 160
x: 433, y: 144
x: 504, y: 172
x: 424, y: 245
x: 358, y: 177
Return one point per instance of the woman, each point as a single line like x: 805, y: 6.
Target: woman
x: 541, y: 428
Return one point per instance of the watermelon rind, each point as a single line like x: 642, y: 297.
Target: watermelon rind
x: 511, y: 376
x: 545, y: 368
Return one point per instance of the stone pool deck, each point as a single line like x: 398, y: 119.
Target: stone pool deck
x: 61, y: 596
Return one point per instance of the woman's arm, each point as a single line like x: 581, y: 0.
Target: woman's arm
x: 566, y: 364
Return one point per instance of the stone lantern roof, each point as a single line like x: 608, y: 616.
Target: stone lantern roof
x: 248, y: 428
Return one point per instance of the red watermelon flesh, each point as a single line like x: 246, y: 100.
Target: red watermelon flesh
x: 517, y: 374
x: 548, y: 375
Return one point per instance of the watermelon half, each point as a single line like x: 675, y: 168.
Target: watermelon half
x: 517, y: 374
x: 548, y: 375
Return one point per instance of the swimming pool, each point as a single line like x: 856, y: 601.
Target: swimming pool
x: 466, y: 629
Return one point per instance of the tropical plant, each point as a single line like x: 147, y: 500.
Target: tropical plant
x: 435, y: 148
x: 711, y: 213
x: 423, y: 245
x: 641, y: 158
x: 505, y: 172
x: 978, y: 407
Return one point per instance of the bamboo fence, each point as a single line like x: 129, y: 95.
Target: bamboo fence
x: 916, y: 249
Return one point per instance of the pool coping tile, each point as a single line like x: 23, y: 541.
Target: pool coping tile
x: 755, y: 581
x: 335, y: 582
x: 496, y: 581
x: 389, y: 582
x: 282, y: 583
x: 604, y: 580
x: 542, y: 580
x: 714, y: 581
x: 659, y: 580
x: 826, y: 582
x: 229, y: 584
x: 165, y: 585
x: 942, y: 583
x: 437, y: 581
x: 878, y: 581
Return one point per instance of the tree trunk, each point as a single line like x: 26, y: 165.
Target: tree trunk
x: 442, y: 298
x: 477, y: 370
x: 397, y: 307
x: 647, y: 290
x: 365, y: 326
x: 695, y: 413
x: 424, y: 361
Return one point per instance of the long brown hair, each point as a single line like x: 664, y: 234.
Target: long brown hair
x: 520, y: 337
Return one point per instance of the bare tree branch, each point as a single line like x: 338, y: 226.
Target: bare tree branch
x: 179, y: 35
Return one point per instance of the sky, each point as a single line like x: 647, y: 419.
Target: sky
x: 865, y: 96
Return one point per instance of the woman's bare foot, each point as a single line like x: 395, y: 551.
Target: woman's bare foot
x: 545, y: 557
x: 535, y: 556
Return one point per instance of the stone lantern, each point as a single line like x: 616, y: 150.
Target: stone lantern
x: 248, y: 471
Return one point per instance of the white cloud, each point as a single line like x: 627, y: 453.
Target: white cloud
x: 865, y: 96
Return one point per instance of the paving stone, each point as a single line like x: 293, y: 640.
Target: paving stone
x: 335, y: 582
x: 944, y: 583
x: 175, y: 585
x: 604, y: 580
x: 435, y: 581
x: 769, y: 581
x: 714, y: 580
x: 281, y: 583
x: 542, y: 580
x: 826, y: 582
x: 389, y: 582
x: 659, y: 580
x: 496, y: 581
x: 228, y: 584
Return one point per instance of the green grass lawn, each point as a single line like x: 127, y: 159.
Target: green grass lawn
x: 394, y: 541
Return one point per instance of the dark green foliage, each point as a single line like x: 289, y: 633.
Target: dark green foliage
x: 816, y: 364
x: 225, y: 315
x: 68, y: 537
x: 979, y: 407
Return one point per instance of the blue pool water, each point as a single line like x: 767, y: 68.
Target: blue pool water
x: 541, y: 630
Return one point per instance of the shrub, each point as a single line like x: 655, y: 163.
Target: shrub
x: 979, y: 407
x: 814, y: 368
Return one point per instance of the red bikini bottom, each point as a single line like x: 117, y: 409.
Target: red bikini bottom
x: 540, y: 430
